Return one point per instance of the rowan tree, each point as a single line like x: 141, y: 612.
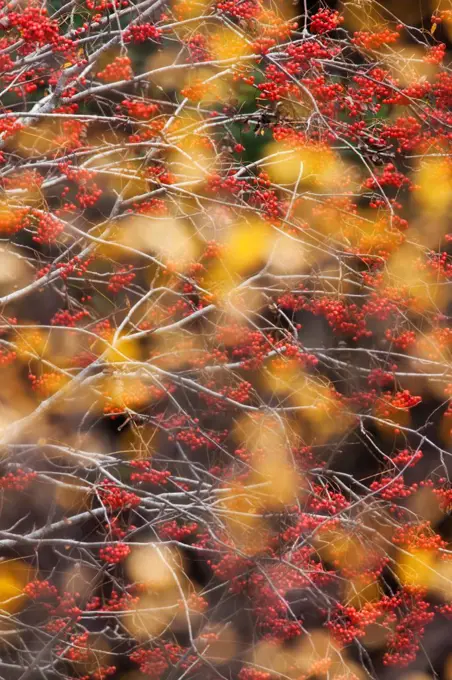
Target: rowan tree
x: 225, y: 340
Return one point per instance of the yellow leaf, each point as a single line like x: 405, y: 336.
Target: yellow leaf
x: 285, y: 166
x: 226, y: 44
x: 248, y: 245
x: 123, y: 350
x: 416, y: 567
x: 14, y: 576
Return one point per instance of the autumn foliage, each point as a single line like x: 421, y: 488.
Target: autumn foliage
x: 225, y: 340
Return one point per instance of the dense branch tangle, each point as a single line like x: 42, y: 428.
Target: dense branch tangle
x: 224, y: 339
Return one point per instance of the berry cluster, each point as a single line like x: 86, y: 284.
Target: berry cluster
x: 17, y: 481
x: 147, y: 474
x: 373, y: 41
x: 65, y: 318
x: 116, y: 498
x: 48, y: 228
x: 119, y: 69
x: 325, y: 20
x: 46, y: 384
x: 141, y: 32
x: 113, y: 554
x: 121, y: 279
